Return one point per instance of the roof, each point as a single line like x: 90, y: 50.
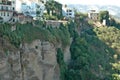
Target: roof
x: 93, y: 11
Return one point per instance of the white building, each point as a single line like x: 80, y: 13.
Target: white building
x: 6, y: 10
x: 32, y: 9
x: 104, y: 22
x: 68, y: 12
x: 93, y: 14
x: 9, y: 9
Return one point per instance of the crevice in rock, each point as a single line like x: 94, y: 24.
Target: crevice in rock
x: 21, y: 61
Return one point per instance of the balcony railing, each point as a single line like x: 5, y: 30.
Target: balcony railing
x: 5, y: 8
x: 6, y: 2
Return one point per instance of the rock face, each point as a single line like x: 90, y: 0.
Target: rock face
x: 10, y: 66
x: 40, y: 61
x: 35, y: 61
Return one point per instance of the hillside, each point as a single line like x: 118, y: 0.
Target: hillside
x: 75, y: 51
x: 94, y: 54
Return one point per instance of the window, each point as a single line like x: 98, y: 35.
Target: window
x: 6, y: 8
x: 13, y: 8
x: 4, y: 13
x: 43, y: 2
x: 67, y: 10
x: 1, y: 14
x: 70, y: 10
x: 8, y: 14
x: 70, y: 13
x: 13, y: 20
x: 1, y: 7
x: 13, y: 2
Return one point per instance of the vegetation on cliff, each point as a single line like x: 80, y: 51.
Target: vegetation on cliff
x: 54, y: 10
x: 94, y: 53
x: 27, y: 33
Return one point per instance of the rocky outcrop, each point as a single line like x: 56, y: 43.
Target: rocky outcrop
x: 40, y: 61
x: 35, y: 61
x: 10, y: 66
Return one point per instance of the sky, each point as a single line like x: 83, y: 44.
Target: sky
x: 91, y: 2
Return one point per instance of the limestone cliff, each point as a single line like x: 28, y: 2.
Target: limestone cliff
x: 34, y: 61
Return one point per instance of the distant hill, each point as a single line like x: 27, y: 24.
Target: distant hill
x: 114, y: 10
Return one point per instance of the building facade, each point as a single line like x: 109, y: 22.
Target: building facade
x: 10, y: 9
x: 68, y: 12
x: 34, y: 9
x: 6, y: 10
x: 93, y: 14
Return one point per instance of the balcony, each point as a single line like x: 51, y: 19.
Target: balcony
x: 5, y: 2
x: 5, y: 8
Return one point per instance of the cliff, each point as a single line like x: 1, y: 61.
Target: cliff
x: 69, y: 52
x: 29, y: 52
x: 33, y: 61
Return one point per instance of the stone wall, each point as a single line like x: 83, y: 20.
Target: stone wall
x: 54, y: 23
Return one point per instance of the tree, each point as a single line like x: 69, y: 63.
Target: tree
x: 112, y: 22
x: 54, y: 9
x: 62, y: 65
x: 71, y: 28
x: 60, y: 56
x: 104, y: 15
